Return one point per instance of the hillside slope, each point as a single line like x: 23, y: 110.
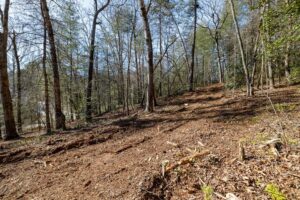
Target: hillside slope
x: 124, y: 157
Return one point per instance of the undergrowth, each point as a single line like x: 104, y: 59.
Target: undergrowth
x: 207, y: 192
x: 273, y: 191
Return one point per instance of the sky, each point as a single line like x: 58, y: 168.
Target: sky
x: 85, y: 3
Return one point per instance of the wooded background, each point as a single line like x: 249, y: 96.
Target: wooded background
x: 64, y: 60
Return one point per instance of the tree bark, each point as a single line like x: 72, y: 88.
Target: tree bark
x: 268, y: 57
x: 129, y: 63
x: 137, y: 64
x: 71, y: 99
x: 59, y: 116
x: 46, y: 84
x: 148, y: 37
x: 98, y: 87
x: 128, y: 73
x: 287, y: 68
x: 192, y: 66
x: 121, y: 83
x: 90, y: 72
x: 242, y: 51
x: 160, y: 52
x: 137, y: 71
x: 221, y: 74
x: 287, y: 64
x: 270, y: 73
x: 13, y: 78
x: 19, y: 92
x: 10, y: 125
x: 109, y: 101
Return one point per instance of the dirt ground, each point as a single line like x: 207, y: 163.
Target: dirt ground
x: 187, y: 149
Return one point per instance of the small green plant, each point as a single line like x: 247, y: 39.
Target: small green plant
x: 208, y: 192
x: 255, y: 119
x: 274, y: 192
x: 259, y: 138
x: 285, y: 107
x: 295, y: 75
x: 293, y: 141
x: 258, y: 182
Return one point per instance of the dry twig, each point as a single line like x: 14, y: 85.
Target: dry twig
x: 186, y: 160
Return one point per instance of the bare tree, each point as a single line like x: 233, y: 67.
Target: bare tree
x: 242, y: 51
x: 192, y: 66
x: 91, y: 59
x: 217, y: 22
x: 148, y: 37
x: 270, y: 76
x: 60, y: 117
x: 287, y: 68
x: 10, y: 124
x: 19, y: 92
x: 46, y: 85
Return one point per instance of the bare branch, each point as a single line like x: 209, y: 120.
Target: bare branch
x: 1, y: 15
x: 149, y: 6
x: 163, y: 55
x: 102, y: 8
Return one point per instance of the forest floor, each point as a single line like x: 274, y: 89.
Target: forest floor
x: 187, y: 149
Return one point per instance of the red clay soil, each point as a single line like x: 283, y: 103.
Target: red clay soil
x: 152, y: 156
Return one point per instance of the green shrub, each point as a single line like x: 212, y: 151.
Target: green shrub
x: 285, y: 107
x: 208, y: 192
x: 295, y: 75
x: 274, y: 192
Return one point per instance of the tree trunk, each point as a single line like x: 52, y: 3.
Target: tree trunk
x: 60, y: 117
x: 77, y: 94
x: 90, y: 72
x: 203, y: 71
x: 221, y: 75
x: 98, y: 87
x: 71, y: 99
x: 10, y: 126
x: 150, y: 93
x: 261, y: 80
x: 46, y: 85
x: 137, y: 64
x: 192, y: 66
x: 287, y: 68
x: 109, y: 83
x: 91, y: 62
x: 129, y: 63
x: 160, y: 52
x: 121, y: 83
x: 13, y: 78
x: 268, y: 57
x: 19, y: 92
x: 128, y: 74
x: 270, y: 73
x: 242, y: 51
x: 254, y: 62
x: 287, y: 64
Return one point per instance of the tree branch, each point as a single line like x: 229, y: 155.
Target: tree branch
x: 1, y: 15
x: 149, y: 6
x: 102, y: 8
x: 163, y: 55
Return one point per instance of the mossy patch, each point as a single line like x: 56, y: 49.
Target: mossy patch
x: 274, y: 192
x: 285, y: 107
x: 207, y: 192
